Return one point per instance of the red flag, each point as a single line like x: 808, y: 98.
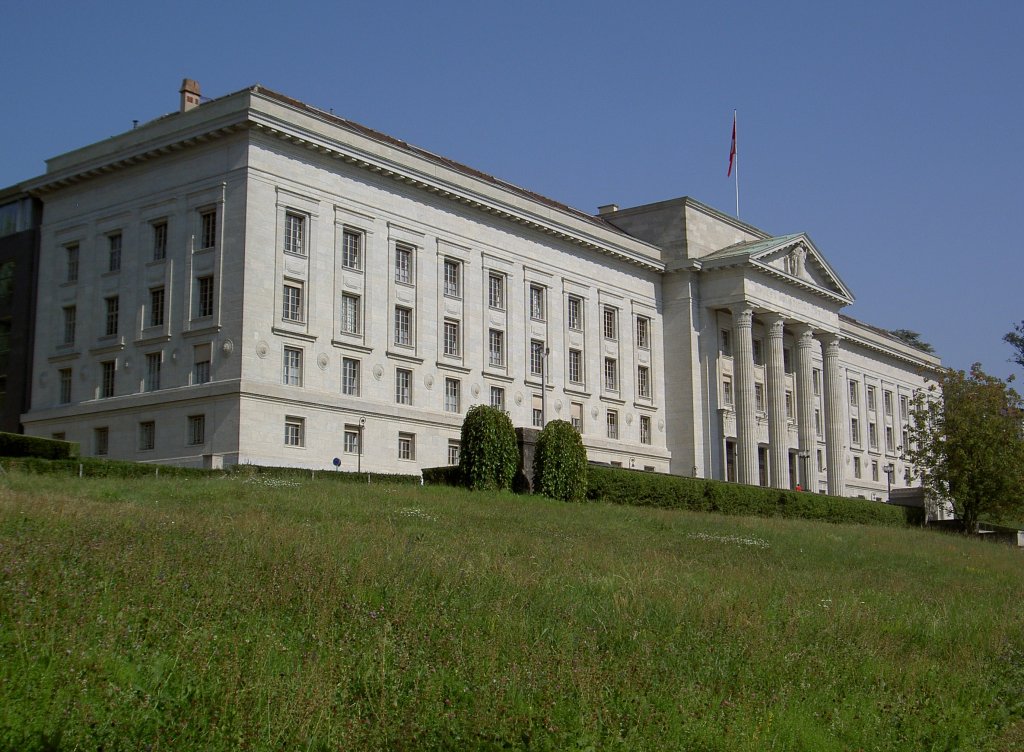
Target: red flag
x: 732, y: 149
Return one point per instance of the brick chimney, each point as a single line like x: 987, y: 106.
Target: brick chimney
x: 189, y: 94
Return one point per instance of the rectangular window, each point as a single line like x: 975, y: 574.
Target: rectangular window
x: 201, y: 364
x: 406, y: 446
x: 452, y: 395
x: 71, y: 258
x: 294, y: 431
x: 498, y: 398
x: 69, y: 324
x: 196, y: 429
x: 643, y: 382
x: 759, y: 397
x: 454, y: 450
x: 147, y: 435
x: 538, y: 411
x: 890, y: 442
x: 576, y: 416
x: 496, y: 291
x: 294, y: 234
x: 727, y: 391
x: 101, y: 438
x: 869, y: 393
x: 496, y: 348
x: 291, y: 302
x: 292, y: 375
x: 821, y: 462
x: 905, y: 437
x: 159, y: 240
x: 110, y: 320
x: 352, y: 250
x: 887, y: 401
x: 403, y: 264
x: 350, y: 377
x: 403, y: 386
x: 154, y: 361
x: 789, y: 405
x: 351, y: 439
x: 645, y: 429
x: 65, y: 386
x: 205, y: 296
x: 403, y: 326
x: 536, y: 358
x: 817, y: 421
x: 609, y: 317
x: 114, y: 256
x: 575, y: 366
x: 758, y: 351
x: 856, y: 467
x: 725, y: 342
x: 452, y: 278
x: 854, y: 393
x: 350, y: 313
x: 157, y: 297
x: 451, y: 338
x: 537, y: 302
x: 787, y: 360
x: 904, y: 407
x: 575, y: 313
x: 207, y: 228
x: 611, y: 375
x: 874, y: 471
x: 873, y: 435
x: 612, y: 424
x: 816, y: 381
x: 855, y: 430
x: 643, y: 332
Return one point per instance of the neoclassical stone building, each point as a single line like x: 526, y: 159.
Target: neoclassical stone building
x: 254, y: 280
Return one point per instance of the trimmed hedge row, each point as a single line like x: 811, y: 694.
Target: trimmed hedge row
x: 300, y: 472
x: 446, y: 475
x: 19, y: 445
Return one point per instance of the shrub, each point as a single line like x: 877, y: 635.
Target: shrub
x: 560, y: 465
x: 489, y: 456
x: 446, y: 475
x: 17, y: 445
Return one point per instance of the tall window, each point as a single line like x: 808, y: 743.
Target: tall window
x: 294, y: 431
x: 108, y: 369
x: 403, y: 386
x: 451, y: 338
x: 904, y: 407
x: 147, y: 435
x: 612, y: 424
x: 65, y: 386
x: 196, y: 429
x: 855, y: 430
x: 291, y: 303
x: 496, y: 348
x: 576, y: 416
x: 352, y: 249
x: 452, y: 274
x: 110, y: 321
x: 789, y: 405
x: 349, y: 313
x: 890, y: 443
x: 114, y: 256
x: 787, y: 360
x: 817, y: 421
x: 643, y: 381
x: 643, y: 332
x: 406, y: 446
x: 207, y: 228
x: 403, y: 263
x: 69, y: 324
x: 537, y: 302
x: 869, y: 395
x: 454, y: 450
x: 452, y: 395
x: 350, y: 377
x: 156, y: 306
x: 201, y: 363
x: 725, y: 342
x: 294, y: 233
x: 609, y: 318
x: 645, y: 429
x: 498, y: 397
x: 536, y: 358
x: 352, y: 439
x: 816, y: 381
x: 101, y: 438
x: 159, y: 240
x: 873, y: 435
x: 856, y: 467
x: 205, y: 296
x: 854, y: 393
x: 71, y: 258
x: 538, y: 411
x: 887, y: 401
x: 611, y: 375
x: 727, y: 391
x: 757, y: 346
x: 496, y: 290
x: 759, y: 397
x: 575, y: 313
x: 292, y: 375
x: 575, y: 366
x: 403, y: 325
x: 153, y: 365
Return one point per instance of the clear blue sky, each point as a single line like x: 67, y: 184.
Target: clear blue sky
x: 891, y: 132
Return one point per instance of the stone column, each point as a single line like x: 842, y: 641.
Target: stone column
x: 743, y: 367
x: 777, y: 431
x: 835, y: 423
x: 807, y: 466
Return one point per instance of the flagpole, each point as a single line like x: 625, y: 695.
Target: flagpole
x: 737, y: 147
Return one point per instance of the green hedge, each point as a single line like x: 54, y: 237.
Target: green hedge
x: 299, y: 472
x: 18, y: 445
x: 560, y: 465
x: 446, y: 475
x: 636, y: 488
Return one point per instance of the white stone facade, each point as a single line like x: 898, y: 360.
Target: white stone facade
x: 257, y: 281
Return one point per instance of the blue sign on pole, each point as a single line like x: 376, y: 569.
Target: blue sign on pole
x: 337, y: 462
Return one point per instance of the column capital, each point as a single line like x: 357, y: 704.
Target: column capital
x: 743, y: 315
x: 775, y: 323
x: 831, y: 341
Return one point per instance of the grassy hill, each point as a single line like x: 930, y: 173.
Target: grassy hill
x: 170, y: 614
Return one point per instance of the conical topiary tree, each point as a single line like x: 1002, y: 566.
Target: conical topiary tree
x: 488, y: 457
x: 560, y: 465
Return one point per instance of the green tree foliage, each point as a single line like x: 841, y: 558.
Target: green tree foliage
x: 912, y: 338
x: 560, y: 465
x: 1016, y: 340
x: 488, y: 457
x: 967, y: 444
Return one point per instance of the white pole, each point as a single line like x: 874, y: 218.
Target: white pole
x: 736, y: 163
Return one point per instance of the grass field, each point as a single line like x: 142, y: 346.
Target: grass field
x: 222, y: 614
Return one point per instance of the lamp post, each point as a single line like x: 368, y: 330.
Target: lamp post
x: 359, y: 461
x: 804, y: 455
x: 889, y: 470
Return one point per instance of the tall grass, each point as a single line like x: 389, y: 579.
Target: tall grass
x: 259, y: 614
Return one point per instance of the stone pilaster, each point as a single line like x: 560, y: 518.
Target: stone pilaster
x: 746, y: 420
x: 777, y: 429
x: 807, y: 467
x: 835, y: 422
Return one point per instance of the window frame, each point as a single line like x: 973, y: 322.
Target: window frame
x: 404, y: 264
x: 406, y: 446
x: 537, y: 302
x: 574, y: 318
x: 159, y: 228
x: 204, y: 296
x: 610, y: 322
x: 207, y: 228
x: 452, y: 395
x: 72, y: 259
x: 350, y: 376
x: 115, y: 247
x: 403, y: 326
x: 643, y: 382
x: 611, y: 374
x: 352, y: 252
x: 403, y: 386
x: 575, y: 366
x: 291, y: 374
x: 611, y: 422
x: 643, y: 332
x: 496, y: 291
x: 147, y: 435
x: 196, y: 437
x: 157, y: 305
x: 495, y: 348
x: 292, y: 302
x: 351, y: 318
x: 452, y: 345
x: 295, y: 235
x: 452, y: 277
x: 112, y: 315
x: 294, y: 431
x: 154, y: 365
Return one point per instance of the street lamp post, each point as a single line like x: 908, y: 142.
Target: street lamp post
x: 889, y: 470
x: 804, y: 455
x: 359, y: 461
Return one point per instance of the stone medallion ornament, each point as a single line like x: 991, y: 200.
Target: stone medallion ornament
x: 519, y: 398
x: 558, y: 406
x: 262, y: 348
x: 661, y: 425
x: 475, y: 390
x: 227, y: 347
x: 594, y: 412
x: 322, y: 361
x: 428, y: 381
x: 378, y: 372
x: 629, y: 419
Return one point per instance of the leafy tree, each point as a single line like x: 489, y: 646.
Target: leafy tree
x: 967, y: 444
x: 912, y: 338
x: 489, y: 455
x: 1016, y: 341
x: 560, y: 465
